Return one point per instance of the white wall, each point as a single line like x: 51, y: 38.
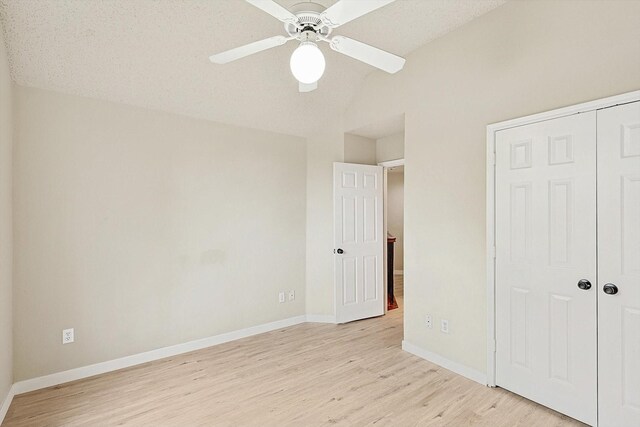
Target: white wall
x: 143, y: 229
x: 395, y: 215
x: 6, y: 232
x: 390, y: 147
x: 360, y: 150
x: 522, y: 58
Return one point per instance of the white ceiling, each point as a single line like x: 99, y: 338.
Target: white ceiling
x: 154, y: 54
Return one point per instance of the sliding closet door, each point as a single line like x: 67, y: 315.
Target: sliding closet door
x: 619, y: 265
x: 546, y: 263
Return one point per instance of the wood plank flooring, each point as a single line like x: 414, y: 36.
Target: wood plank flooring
x: 306, y: 375
x: 398, y: 285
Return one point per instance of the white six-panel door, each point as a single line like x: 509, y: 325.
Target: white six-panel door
x: 358, y: 241
x: 545, y: 244
x: 619, y: 265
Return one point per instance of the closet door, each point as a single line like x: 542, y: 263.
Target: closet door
x: 619, y: 265
x: 546, y: 263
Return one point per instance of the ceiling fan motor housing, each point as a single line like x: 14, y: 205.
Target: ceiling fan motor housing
x: 309, y: 21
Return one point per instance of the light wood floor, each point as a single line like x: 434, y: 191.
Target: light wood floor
x: 398, y: 285
x: 306, y: 375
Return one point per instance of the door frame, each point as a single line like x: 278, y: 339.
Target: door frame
x: 385, y: 216
x: 491, y: 202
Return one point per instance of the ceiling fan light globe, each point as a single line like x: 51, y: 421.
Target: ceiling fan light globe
x: 307, y: 63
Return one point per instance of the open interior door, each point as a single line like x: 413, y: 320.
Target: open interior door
x: 358, y: 241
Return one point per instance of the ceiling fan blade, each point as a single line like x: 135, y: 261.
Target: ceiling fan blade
x: 303, y: 87
x: 248, y: 49
x: 368, y: 54
x: 347, y: 10
x: 275, y: 10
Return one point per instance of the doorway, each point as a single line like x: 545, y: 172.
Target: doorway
x: 394, y: 231
x: 374, y: 150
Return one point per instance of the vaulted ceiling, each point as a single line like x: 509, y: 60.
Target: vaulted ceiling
x: 154, y: 54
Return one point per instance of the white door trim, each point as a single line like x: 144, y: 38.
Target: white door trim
x: 391, y: 163
x: 490, y: 230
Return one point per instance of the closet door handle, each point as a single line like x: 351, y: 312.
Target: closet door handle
x: 340, y: 251
x: 584, y: 284
x: 610, y: 289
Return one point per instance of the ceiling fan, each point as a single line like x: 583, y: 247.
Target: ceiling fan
x: 310, y: 23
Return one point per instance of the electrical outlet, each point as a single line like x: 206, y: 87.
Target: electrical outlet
x: 281, y: 297
x: 292, y: 295
x: 67, y: 336
x: 428, y: 321
x: 444, y: 326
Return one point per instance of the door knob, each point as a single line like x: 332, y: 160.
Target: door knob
x: 340, y: 251
x: 610, y: 289
x: 584, y: 284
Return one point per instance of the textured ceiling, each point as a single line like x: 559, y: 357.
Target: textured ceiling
x: 154, y: 54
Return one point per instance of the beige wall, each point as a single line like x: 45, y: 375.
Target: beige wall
x: 360, y: 150
x: 522, y: 58
x: 390, y: 147
x: 6, y: 232
x: 322, y: 152
x: 144, y: 229
x: 395, y: 215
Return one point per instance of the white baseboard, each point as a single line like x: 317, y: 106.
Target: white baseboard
x: 6, y: 403
x: 398, y: 272
x: 452, y: 366
x: 320, y: 318
x: 149, y: 356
